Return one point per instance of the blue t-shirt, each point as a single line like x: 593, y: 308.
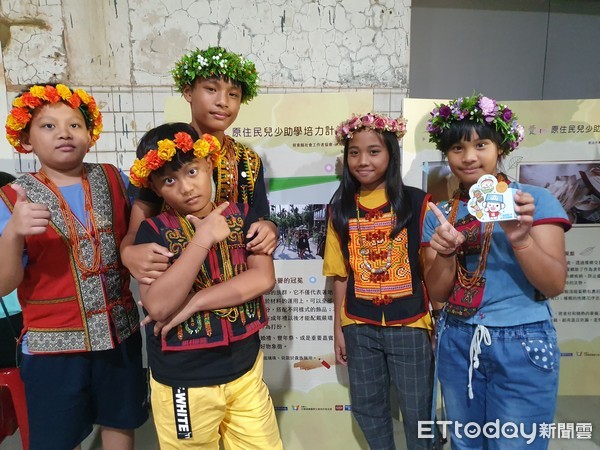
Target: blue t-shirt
x: 11, y: 303
x: 508, y: 297
x: 74, y: 197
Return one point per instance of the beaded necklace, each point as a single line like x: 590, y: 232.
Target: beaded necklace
x: 466, y: 278
x: 227, y: 173
x: 204, y: 280
x: 91, y: 229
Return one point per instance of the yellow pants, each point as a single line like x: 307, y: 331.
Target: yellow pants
x: 240, y: 412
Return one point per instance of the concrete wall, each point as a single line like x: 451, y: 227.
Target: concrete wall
x: 298, y: 43
x: 508, y: 49
x: 122, y: 51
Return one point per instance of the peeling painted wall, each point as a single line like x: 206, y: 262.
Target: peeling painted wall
x: 122, y: 51
x: 297, y: 43
x: 32, y: 41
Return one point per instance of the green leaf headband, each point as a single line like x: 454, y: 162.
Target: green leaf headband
x: 217, y: 62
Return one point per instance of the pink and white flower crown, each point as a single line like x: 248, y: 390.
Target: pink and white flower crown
x: 372, y: 121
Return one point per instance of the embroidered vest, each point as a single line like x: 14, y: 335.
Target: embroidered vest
x: 214, y: 328
x: 236, y: 186
x: 398, y: 294
x: 63, y: 310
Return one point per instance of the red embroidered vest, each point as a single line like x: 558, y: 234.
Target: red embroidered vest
x: 63, y: 311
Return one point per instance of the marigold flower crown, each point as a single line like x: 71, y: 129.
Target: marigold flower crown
x: 216, y: 62
x: 26, y: 103
x: 480, y: 109
x: 372, y: 121
x: 207, y: 146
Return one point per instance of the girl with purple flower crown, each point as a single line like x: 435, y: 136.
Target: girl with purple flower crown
x: 497, y: 354
x: 382, y: 321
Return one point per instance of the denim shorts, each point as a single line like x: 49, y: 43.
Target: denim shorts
x: 68, y: 393
x: 495, y: 377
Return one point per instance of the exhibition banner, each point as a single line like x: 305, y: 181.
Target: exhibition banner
x: 294, y: 135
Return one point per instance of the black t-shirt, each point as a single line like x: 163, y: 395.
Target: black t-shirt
x: 200, y: 368
x: 204, y: 367
x: 303, y: 242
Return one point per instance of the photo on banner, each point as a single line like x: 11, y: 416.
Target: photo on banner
x: 295, y: 136
x: 302, y: 231
x: 576, y: 184
x: 560, y: 152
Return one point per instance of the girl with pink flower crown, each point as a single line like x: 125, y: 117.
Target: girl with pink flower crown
x: 382, y: 321
x: 497, y: 353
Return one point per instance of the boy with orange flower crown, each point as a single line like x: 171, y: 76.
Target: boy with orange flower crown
x: 60, y: 233
x: 215, y: 82
x: 204, y: 351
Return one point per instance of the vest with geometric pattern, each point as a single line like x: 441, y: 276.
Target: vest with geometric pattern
x: 63, y: 310
x: 215, y: 328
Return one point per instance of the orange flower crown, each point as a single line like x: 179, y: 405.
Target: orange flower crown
x: 207, y: 146
x: 25, y: 104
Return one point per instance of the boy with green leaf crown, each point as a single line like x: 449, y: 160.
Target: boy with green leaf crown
x: 215, y: 82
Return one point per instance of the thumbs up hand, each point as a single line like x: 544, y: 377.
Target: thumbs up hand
x: 28, y: 219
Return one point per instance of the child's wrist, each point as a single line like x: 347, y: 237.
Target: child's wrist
x: 522, y: 245
x: 447, y: 255
x: 201, y: 245
x: 11, y: 231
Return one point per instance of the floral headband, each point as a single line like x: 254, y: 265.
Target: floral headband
x: 24, y: 105
x: 207, y: 146
x: 216, y: 62
x: 480, y: 109
x: 373, y: 121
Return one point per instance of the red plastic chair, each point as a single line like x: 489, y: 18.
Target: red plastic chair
x: 12, y: 380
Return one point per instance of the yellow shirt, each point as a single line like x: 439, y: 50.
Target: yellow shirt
x: 334, y: 263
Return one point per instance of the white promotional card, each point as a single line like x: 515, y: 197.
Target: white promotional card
x: 491, y: 200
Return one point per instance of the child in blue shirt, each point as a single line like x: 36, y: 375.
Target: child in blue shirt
x: 497, y: 353
x: 60, y: 232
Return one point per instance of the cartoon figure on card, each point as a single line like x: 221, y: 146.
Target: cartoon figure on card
x: 474, y: 203
x: 494, y: 203
x: 487, y: 184
x: 491, y: 200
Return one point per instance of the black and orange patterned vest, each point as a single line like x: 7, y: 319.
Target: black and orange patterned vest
x: 397, y: 295
x: 220, y: 327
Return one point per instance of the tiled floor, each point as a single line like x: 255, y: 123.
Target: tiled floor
x: 570, y: 410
